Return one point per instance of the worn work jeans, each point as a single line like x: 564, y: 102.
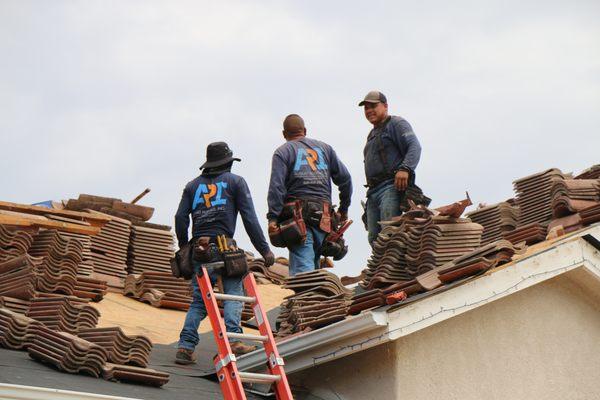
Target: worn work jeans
x: 305, y: 257
x: 188, y: 338
x: 382, y: 205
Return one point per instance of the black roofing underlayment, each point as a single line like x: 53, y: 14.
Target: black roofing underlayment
x: 17, y: 368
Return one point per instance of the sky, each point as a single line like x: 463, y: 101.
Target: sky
x: 111, y: 97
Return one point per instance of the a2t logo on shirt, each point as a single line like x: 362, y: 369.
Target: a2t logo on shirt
x: 210, y: 194
x: 313, y: 158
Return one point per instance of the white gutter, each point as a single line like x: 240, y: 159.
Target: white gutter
x: 19, y: 392
x: 379, y: 326
x: 299, y: 347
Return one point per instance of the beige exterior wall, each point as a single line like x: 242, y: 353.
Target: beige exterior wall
x: 539, y: 343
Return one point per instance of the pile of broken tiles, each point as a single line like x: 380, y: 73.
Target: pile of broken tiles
x: 320, y: 299
x: 159, y: 289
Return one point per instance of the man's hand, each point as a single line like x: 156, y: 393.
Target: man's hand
x: 401, y: 180
x: 269, y: 258
x: 272, y: 226
x: 342, y: 216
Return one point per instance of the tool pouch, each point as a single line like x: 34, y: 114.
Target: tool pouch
x: 182, y: 264
x: 292, y: 229
x: 235, y: 263
x: 336, y: 249
x: 276, y: 239
x: 204, y: 251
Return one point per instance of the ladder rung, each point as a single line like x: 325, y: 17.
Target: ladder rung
x: 258, y: 378
x: 247, y: 336
x: 245, y: 299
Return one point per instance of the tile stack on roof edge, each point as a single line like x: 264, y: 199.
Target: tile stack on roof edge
x: 121, y: 349
x: 496, y: 219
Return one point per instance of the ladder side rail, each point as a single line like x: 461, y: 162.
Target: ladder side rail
x: 274, y: 361
x: 228, y: 375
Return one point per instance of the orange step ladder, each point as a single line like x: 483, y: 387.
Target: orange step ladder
x: 229, y: 377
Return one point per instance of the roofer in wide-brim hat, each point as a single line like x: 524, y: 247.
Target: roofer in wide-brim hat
x: 213, y: 200
x: 391, y: 155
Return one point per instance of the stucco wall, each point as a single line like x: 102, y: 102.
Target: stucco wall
x: 540, y: 343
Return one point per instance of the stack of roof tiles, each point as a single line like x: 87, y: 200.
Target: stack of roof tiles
x: 16, y: 330
x: 86, y: 266
x: 63, y: 313
x: 534, y: 196
x: 60, y: 260
x: 121, y: 349
x: 67, y: 352
x: 128, y: 373
x: 276, y: 273
x: 320, y: 300
x: 472, y: 263
x: 13, y: 243
x: 16, y: 305
x: 570, y: 196
x: 109, y: 247
x: 89, y: 288
x: 159, y: 289
x: 496, y: 220
x: 418, y: 241
x: 591, y: 173
x: 150, y: 250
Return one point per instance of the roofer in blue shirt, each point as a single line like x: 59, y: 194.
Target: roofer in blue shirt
x: 299, y: 198
x: 214, y: 199
x: 391, y: 156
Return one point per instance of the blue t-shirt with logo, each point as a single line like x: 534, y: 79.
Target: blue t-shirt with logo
x: 214, y: 202
x: 304, y: 169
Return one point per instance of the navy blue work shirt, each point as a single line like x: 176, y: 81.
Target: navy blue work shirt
x: 214, y: 202
x: 303, y: 169
x: 401, y: 148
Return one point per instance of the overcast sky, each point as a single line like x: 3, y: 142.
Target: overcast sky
x: 111, y: 97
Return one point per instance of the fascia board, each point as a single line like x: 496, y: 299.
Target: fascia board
x: 20, y: 392
x: 562, y: 257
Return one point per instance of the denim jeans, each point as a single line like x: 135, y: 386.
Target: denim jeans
x: 305, y: 257
x: 188, y: 338
x: 382, y: 205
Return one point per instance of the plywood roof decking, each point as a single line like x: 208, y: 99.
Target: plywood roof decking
x: 162, y: 325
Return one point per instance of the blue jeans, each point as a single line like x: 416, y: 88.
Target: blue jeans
x: 382, y: 205
x: 188, y: 338
x: 305, y: 257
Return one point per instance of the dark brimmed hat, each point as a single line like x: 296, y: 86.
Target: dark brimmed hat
x: 217, y: 154
x: 373, y: 97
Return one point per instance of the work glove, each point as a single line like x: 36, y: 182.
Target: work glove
x: 269, y: 258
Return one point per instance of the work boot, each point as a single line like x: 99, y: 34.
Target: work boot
x: 240, y: 348
x: 185, y: 357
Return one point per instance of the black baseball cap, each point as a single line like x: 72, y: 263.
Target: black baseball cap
x: 373, y: 97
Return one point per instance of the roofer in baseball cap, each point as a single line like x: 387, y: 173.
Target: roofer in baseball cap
x: 391, y: 155
x: 213, y: 200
